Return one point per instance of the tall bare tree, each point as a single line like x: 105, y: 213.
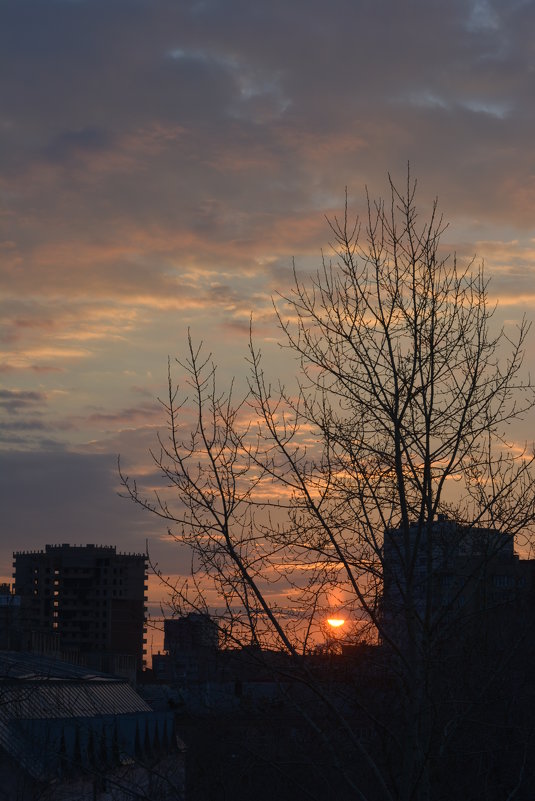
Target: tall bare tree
x: 384, y: 476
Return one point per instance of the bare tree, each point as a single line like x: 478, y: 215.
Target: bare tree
x: 383, y: 488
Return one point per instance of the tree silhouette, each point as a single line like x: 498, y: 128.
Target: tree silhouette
x: 383, y: 488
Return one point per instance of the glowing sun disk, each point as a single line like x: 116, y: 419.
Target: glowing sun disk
x: 335, y: 622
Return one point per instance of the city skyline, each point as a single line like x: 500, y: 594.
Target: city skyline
x: 161, y: 166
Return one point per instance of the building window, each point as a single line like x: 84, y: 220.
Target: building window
x: 503, y: 582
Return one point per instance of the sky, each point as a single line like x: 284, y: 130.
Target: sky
x: 161, y: 165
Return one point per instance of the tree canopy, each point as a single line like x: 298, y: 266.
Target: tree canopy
x: 398, y: 429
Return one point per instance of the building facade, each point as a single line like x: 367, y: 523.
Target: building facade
x: 449, y: 577
x: 9, y: 619
x: 89, y: 599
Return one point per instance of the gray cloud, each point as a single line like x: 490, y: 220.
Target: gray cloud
x: 68, y: 145
x: 422, y: 80
x: 15, y: 401
x: 58, y: 496
x: 23, y: 425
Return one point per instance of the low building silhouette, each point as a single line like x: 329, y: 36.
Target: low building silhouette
x: 70, y: 734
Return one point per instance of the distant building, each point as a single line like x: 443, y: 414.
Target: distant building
x: 191, y: 644
x: 450, y: 574
x: 192, y: 632
x: 86, y: 599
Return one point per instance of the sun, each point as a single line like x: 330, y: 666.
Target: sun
x: 335, y: 622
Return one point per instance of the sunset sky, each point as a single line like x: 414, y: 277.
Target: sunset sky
x: 162, y: 162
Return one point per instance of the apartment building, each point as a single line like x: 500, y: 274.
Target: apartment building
x: 451, y: 577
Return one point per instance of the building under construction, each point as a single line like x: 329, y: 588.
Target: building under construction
x: 87, y: 599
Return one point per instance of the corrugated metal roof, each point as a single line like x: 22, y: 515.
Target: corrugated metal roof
x: 68, y: 699
x: 56, y: 717
x: 32, y: 686
x: 24, y: 665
